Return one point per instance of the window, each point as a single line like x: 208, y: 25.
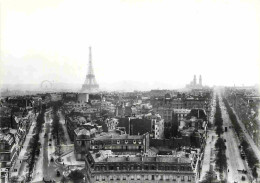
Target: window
x: 182, y: 178
x: 132, y: 177
x: 96, y: 168
x: 152, y: 177
x: 189, y: 178
x: 161, y: 177
x: 166, y: 177
x: 174, y: 178
x: 146, y: 177
x: 153, y: 167
x: 138, y: 177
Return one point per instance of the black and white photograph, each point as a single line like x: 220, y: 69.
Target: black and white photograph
x: 129, y: 91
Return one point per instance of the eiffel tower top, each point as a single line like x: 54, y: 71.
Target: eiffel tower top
x: 90, y: 67
x: 90, y: 85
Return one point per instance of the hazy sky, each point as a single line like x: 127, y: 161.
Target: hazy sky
x: 147, y: 41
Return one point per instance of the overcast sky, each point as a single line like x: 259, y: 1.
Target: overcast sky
x: 149, y: 41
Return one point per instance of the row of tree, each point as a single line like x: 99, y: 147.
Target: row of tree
x: 57, y: 129
x: 221, y: 159
x: 218, y: 121
x: 34, y: 145
x: 250, y: 155
x: 210, y: 177
x: 75, y: 176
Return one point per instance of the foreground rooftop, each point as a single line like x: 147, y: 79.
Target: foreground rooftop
x: 109, y: 156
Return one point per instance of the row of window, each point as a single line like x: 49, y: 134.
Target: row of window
x: 126, y: 147
x: 126, y: 141
x: 144, y: 177
x: 144, y: 167
x: 188, y: 106
x: 130, y: 141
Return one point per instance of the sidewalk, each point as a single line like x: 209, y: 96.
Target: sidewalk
x: 20, y: 163
x: 208, y: 153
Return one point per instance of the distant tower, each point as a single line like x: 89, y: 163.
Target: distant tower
x: 200, y: 80
x: 194, y: 80
x: 90, y: 85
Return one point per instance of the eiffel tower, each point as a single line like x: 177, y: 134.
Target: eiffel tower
x: 90, y: 85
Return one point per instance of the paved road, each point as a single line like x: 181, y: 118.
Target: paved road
x: 234, y: 160
x: 50, y: 168
x: 248, y: 137
x: 62, y: 121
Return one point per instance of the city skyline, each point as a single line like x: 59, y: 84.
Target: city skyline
x: 129, y: 91
x: 157, y: 43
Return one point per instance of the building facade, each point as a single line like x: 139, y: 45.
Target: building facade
x: 8, y: 153
x: 92, y: 140
x: 104, y: 166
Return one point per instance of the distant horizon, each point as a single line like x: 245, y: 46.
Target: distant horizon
x: 105, y: 86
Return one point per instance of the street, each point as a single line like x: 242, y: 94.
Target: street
x: 248, y: 137
x: 234, y: 160
x: 46, y: 169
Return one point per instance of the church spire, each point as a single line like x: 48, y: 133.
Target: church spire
x: 200, y: 80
